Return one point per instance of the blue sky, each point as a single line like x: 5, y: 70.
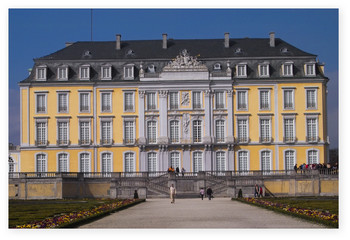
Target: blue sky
x: 37, y: 32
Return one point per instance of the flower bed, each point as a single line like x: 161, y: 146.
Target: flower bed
x: 319, y: 216
x: 67, y: 220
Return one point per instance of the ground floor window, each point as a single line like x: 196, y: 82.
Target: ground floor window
x: 197, y: 161
x: 265, y: 161
x: 220, y: 161
x: 152, y: 161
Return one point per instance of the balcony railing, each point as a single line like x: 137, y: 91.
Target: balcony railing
x: 85, y: 142
x: 62, y: 142
x: 312, y: 139
x: 41, y: 143
x: 106, y: 142
x: 290, y: 139
x: 242, y: 139
x: 40, y: 109
x: 265, y: 139
x: 129, y: 141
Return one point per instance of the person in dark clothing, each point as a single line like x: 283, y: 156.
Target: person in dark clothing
x: 296, y: 168
x: 209, y: 193
x: 177, y: 171
x: 136, y: 195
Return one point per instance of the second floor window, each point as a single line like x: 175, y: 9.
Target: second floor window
x: 288, y: 102
x: 62, y: 102
x: 106, y: 132
x: 174, y: 131
x: 265, y: 130
x: 196, y: 100
x: 62, y: 138
x: 41, y: 73
x: 129, y: 72
x: 129, y: 132
x: 241, y: 70
x: 289, y: 133
x: 84, y: 102
x: 151, y: 101
x: 197, y: 131
x: 242, y: 100
x: 242, y: 130
x: 264, y: 70
x: 129, y: 101
x: 106, y: 102
x: 84, y: 137
x: 41, y: 103
x: 311, y: 99
x: 106, y: 72
x: 152, y: 131
x: 174, y: 100
x: 311, y: 129
x: 310, y: 69
x: 41, y: 133
x: 219, y: 100
x: 264, y: 100
x: 220, y: 130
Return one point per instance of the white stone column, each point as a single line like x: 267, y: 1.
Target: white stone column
x: 142, y: 139
x: 229, y: 138
x: 207, y: 116
x: 187, y: 160
x: 163, y: 117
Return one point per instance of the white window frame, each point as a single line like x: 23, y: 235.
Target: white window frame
x: 268, y: 137
x: 312, y: 139
x: 197, y: 167
x: 241, y: 70
x: 311, y: 89
x: 151, y: 103
x: 268, y: 100
x: 42, y: 165
x: 154, y: 131
x: 284, y: 99
x: 106, y: 140
x: 285, y: 70
x: 175, y: 105
x: 44, y: 94
x: 59, y: 141
x: 195, y: 105
x: 175, y: 159
x: 84, y: 141
x: 198, y: 132
x: 220, y: 96
x: 62, y: 73
x: 132, y: 99
x: 129, y: 71
x: 88, y: 102
x: 110, y: 104
x: 66, y: 94
x: 306, y: 69
x: 58, y: 161
x: 317, y: 155
x: 106, y: 72
x: 217, y: 163
x: 44, y: 141
x: 285, y: 159
x: 238, y: 103
x: 102, y: 154
x: 241, y: 139
x: 289, y: 139
x: 133, y: 137
x: 174, y: 136
x: 222, y: 132
x: 84, y: 72
x: 152, y: 161
x: 261, y: 159
x: 264, y: 70
x: 41, y: 73
x: 239, y: 167
x: 80, y: 167
x: 133, y: 163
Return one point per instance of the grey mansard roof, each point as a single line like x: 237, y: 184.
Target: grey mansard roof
x: 152, y: 49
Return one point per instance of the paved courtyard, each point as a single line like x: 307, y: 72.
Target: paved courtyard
x: 195, y: 213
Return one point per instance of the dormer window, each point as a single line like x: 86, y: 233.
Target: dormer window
x: 241, y: 70
x: 41, y: 73
x: 129, y: 72
x: 62, y: 73
x: 309, y: 69
x: 151, y: 68
x: 106, y: 72
x: 287, y: 69
x: 84, y: 72
x: 217, y: 66
x: 264, y: 70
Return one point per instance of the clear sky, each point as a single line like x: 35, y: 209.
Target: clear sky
x: 37, y: 32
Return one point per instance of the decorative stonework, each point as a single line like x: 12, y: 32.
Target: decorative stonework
x: 229, y: 93
x: 142, y: 94
x: 184, y: 62
x: 185, y: 98
x: 163, y: 93
x: 186, y: 122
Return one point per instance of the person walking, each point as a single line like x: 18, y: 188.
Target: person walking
x: 172, y: 193
x: 260, y: 191
x: 201, y: 193
x: 209, y: 193
x: 256, y: 191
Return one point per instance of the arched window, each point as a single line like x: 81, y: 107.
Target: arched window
x: 41, y: 162
x: 106, y: 162
x: 265, y: 160
x: 129, y: 162
x: 197, y: 161
x: 312, y: 157
x: 220, y: 131
x: 152, y: 131
x: 152, y: 161
x: 197, y: 131
x: 243, y: 161
x: 289, y: 158
x: 220, y: 161
x: 84, y: 162
x: 174, y: 131
x: 175, y: 160
x: 62, y: 162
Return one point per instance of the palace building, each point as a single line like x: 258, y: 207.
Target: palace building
x: 202, y: 104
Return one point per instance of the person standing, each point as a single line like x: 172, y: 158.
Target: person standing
x: 296, y: 168
x: 209, y: 193
x: 201, y: 193
x: 172, y: 193
x: 256, y: 191
x: 177, y: 171
x: 183, y: 171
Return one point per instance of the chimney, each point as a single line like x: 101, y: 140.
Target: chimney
x: 68, y: 44
x: 272, y: 39
x: 165, y: 44
x: 118, y: 36
x: 227, y: 40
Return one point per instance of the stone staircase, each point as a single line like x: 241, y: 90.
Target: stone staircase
x: 157, y: 187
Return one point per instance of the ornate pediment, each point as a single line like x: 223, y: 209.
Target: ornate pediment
x: 185, y: 62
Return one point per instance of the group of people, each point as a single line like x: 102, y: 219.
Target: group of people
x: 201, y: 193
x: 315, y: 166
x: 258, y: 191
x: 177, y: 170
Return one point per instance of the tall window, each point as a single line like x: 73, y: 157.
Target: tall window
x: 41, y: 103
x: 84, y: 137
x: 129, y: 162
x: 312, y: 157
x: 196, y: 100
x: 41, y: 133
x: 84, y: 102
x: 288, y: 102
x: 264, y: 70
x: 311, y: 129
x: 84, y: 160
x: 242, y: 100
x: 106, y: 163
x: 242, y: 133
x: 62, y: 73
x: 311, y: 99
x: 128, y: 101
x: 174, y: 131
x: 63, y: 162
x: 265, y: 160
x: 289, y: 157
x: 62, y: 138
x: 197, y: 131
x: 174, y: 100
x: 265, y: 135
x: 289, y: 133
x: 152, y: 162
x: 129, y: 132
x: 242, y: 161
x: 175, y: 159
x: 220, y: 131
x: 287, y: 69
x: 220, y: 161
x: 106, y: 102
x: 41, y: 163
x: 219, y: 100
x: 152, y: 131
x: 264, y: 100
x: 62, y: 102
x: 106, y: 132
x: 151, y: 101
x: 197, y: 162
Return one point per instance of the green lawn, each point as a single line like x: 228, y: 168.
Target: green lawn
x: 317, y: 203
x: 23, y: 212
